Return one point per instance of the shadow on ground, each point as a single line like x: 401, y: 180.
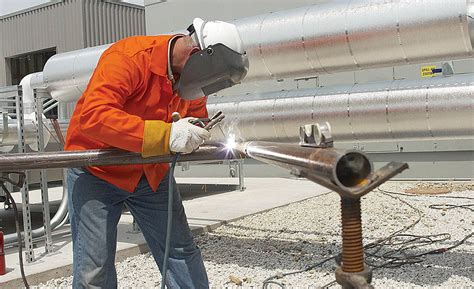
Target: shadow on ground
x: 288, y: 255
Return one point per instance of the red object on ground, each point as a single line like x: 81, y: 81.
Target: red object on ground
x: 2, y: 256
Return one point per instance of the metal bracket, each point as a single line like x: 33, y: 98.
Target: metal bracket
x: 316, y: 135
x: 379, y: 177
x: 236, y: 169
x: 28, y: 239
x: 43, y: 174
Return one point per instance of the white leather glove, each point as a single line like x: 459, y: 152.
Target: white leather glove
x: 186, y: 137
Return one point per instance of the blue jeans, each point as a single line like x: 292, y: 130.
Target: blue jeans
x: 95, y: 207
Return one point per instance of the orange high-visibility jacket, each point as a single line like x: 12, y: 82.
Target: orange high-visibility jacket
x: 128, y: 105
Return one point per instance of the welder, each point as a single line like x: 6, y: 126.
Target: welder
x: 139, y: 82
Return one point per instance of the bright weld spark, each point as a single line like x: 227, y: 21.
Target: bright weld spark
x: 230, y: 145
x: 231, y: 142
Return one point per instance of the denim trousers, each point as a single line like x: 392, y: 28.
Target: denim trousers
x: 95, y: 207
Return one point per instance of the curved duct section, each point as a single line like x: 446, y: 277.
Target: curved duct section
x: 337, y: 36
x: 351, y: 35
x: 470, y: 19
x: 57, y: 221
x: 437, y: 108
x: 9, y: 132
x: 66, y: 75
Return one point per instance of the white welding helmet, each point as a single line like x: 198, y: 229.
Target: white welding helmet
x: 221, y: 62
x: 212, y: 32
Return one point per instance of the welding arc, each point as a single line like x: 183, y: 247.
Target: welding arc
x: 18, y: 231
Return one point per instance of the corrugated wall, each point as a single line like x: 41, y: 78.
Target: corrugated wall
x: 51, y: 25
x: 67, y: 25
x: 106, y: 22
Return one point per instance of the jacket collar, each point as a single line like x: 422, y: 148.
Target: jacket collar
x: 160, y: 56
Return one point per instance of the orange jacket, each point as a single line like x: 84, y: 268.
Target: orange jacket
x: 128, y: 105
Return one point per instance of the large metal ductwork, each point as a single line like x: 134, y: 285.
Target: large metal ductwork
x: 9, y: 131
x: 352, y: 35
x: 66, y: 75
x: 437, y: 108
x: 333, y: 37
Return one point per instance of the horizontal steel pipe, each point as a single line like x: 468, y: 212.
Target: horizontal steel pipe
x: 347, y: 169
x: 336, y: 36
x: 67, y: 159
x: 437, y: 108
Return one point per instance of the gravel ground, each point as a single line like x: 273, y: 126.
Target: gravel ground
x: 301, y: 234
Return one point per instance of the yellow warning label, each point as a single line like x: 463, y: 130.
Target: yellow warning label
x: 427, y: 71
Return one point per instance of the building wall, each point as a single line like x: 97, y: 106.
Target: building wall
x: 171, y: 15
x: 50, y: 25
x: 106, y: 21
x: 66, y: 25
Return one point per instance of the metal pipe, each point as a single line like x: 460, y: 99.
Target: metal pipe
x: 56, y: 220
x: 47, y: 109
x: 432, y: 109
x: 343, y: 35
x: 348, y: 172
x: 68, y: 159
x: 347, y: 169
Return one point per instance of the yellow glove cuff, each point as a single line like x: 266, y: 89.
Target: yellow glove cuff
x: 156, y: 138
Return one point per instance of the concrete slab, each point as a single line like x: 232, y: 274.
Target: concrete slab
x: 204, y: 213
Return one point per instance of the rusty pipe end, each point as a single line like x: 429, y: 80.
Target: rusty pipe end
x: 353, y: 171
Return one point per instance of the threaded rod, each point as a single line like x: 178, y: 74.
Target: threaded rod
x: 352, y: 248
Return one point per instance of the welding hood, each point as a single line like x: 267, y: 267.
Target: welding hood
x: 210, y: 70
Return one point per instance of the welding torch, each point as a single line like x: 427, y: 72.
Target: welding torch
x: 205, y: 123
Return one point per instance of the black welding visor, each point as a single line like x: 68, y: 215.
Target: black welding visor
x: 210, y: 70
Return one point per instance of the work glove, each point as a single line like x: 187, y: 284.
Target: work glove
x: 186, y: 137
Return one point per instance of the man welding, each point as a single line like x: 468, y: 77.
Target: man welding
x: 139, y: 82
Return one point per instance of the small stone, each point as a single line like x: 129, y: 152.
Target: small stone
x: 236, y: 280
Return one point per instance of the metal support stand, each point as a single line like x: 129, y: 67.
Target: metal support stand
x: 43, y: 175
x: 236, y: 168
x: 353, y: 274
x: 135, y: 227
x: 7, y: 104
x: 240, y: 164
x: 29, y: 253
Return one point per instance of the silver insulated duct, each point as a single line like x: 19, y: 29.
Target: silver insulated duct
x: 437, y: 108
x: 351, y: 35
x: 337, y: 36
